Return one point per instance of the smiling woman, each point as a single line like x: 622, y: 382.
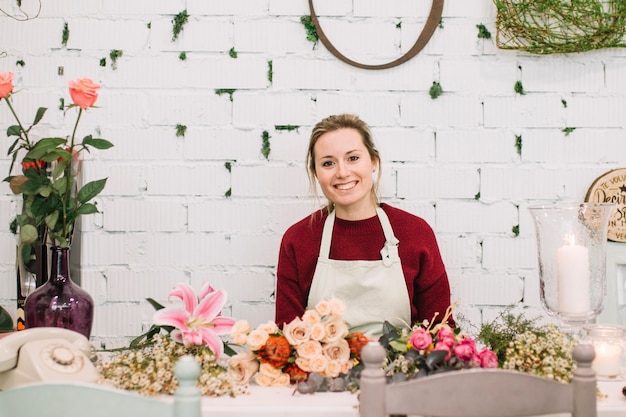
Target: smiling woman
x: 383, y: 262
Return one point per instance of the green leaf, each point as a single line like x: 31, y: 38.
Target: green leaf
x: 398, y: 345
x: 435, y: 358
x: 44, y: 146
x: 6, y: 322
x: 90, y: 190
x: 155, y: 304
x: 60, y: 185
x: 86, y: 208
x: 51, y: 220
x: 40, y: 112
x: 14, y: 130
x: 28, y: 234
x: 97, y: 143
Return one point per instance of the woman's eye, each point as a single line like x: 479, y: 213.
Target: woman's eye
x: 327, y: 163
x: 353, y: 158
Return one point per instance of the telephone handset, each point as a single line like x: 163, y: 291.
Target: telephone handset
x: 45, y: 354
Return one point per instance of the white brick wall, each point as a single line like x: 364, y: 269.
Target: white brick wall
x: 453, y: 160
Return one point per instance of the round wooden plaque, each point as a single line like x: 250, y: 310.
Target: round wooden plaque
x: 611, y: 188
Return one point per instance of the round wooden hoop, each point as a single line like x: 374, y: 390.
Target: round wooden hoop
x: 427, y: 32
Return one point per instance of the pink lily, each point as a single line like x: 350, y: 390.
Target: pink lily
x: 200, y: 321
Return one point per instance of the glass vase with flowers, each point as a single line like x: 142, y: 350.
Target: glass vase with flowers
x: 52, y: 201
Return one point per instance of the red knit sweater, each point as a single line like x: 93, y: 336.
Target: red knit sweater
x: 424, y: 271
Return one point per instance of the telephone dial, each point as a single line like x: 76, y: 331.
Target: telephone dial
x: 45, y: 354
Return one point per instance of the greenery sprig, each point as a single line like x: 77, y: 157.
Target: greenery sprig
x: 557, y: 26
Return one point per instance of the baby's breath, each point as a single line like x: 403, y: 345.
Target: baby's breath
x: 150, y: 369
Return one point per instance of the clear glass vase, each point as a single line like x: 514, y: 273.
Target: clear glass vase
x: 571, y: 243
x: 60, y: 302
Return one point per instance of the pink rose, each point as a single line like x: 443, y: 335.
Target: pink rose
x: 488, y: 358
x: 445, y: 335
x: 420, y: 339
x: 84, y: 92
x: 444, y: 347
x: 465, y: 349
x: 6, y: 84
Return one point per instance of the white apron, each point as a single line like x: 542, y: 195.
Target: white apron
x: 373, y: 291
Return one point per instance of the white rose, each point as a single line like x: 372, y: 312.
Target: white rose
x: 269, y: 327
x: 337, y: 307
x: 318, y: 363
x: 311, y: 317
x: 337, y: 351
x: 318, y: 332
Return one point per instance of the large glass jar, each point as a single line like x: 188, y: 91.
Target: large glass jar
x: 571, y: 243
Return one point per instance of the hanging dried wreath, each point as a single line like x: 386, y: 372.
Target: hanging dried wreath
x: 560, y: 26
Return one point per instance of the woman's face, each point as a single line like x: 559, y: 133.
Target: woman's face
x: 344, y: 168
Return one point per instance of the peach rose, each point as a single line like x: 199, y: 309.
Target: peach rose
x: 239, y: 332
x: 346, y: 366
x: 311, y: 317
x: 337, y: 351
x: 296, y: 331
x: 243, y: 366
x: 309, y: 349
x: 318, y: 332
x: 333, y: 369
x: 323, y: 307
x: 282, y: 380
x: 335, y: 329
x: 337, y: 307
x: 318, y: 363
x: 256, y: 339
x: 6, y: 84
x: 304, y: 364
x: 84, y: 92
x: 269, y: 376
x: 269, y: 327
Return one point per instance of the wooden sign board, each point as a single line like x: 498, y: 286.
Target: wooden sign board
x: 611, y: 188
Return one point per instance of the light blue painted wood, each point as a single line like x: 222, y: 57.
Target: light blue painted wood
x: 44, y: 399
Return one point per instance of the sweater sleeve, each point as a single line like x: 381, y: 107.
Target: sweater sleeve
x: 290, y: 299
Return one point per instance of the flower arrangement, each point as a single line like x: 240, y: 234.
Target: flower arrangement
x: 424, y: 349
x: 48, y: 184
x: 194, y: 328
x: 315, y: 351
x: 524, y: 345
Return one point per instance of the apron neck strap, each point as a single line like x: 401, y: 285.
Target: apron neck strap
x: 327, y: 233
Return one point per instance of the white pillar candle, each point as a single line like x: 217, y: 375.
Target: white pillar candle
x: 608, y: 360
x: 573, y: 278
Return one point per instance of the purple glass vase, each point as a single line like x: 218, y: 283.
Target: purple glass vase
x: 60, y: 302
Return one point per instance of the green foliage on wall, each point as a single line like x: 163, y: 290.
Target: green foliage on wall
x: 178, y: 23
x: 180, y: 130
x: 518, y: 144
x: 265, y: 147
x: 229, y: 91
x: 182, y: 56
x: 270, y: 71
x: 519, y: 88
x: 483, y: 32
x: 435, y: 90
x: 232, y: 52
x: 311, y: 32
x: 286, y: 127
x: 66, y: 34
x: 568, y: 130
x: 114, y: 55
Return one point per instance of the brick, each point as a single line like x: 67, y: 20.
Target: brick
x: 149, y: 215
x: 374, y: 109
x: 480, y: 289
x: 425, y: 182
x: 509, y: 253
x: 519, y: 183
x: 475, y: 146
x: 466, y: 217
x: 261, y: 180
x: 281, y: 36
x: 447, y: 110
x: 254, y: 110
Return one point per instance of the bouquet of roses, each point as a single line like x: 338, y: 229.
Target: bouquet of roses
x: 315, y: 351
x: 424, y: 349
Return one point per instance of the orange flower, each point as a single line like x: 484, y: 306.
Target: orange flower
x: 33, y: 164
x: 275, y: 352
x: 295, y: 373
x: 356, y: 341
